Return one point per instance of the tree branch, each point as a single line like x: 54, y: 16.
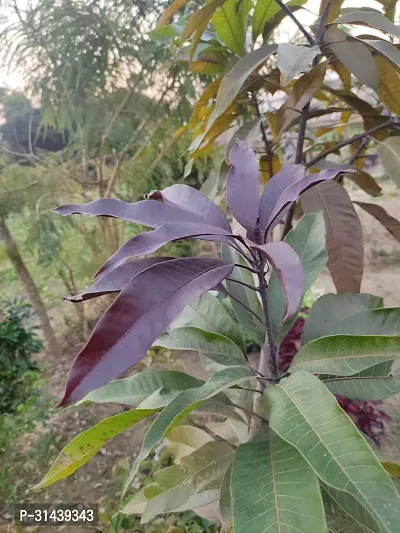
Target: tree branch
x: 288, y: 12
x: 352, y: 140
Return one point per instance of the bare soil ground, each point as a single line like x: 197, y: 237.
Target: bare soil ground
x: 98, y: 480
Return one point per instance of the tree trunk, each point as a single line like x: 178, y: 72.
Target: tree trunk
x: 30, y: 288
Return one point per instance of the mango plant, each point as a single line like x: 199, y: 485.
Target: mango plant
x: 278, y: 452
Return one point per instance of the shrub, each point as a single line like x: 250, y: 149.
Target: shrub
x: 18, y: 343
x: 286, y: 453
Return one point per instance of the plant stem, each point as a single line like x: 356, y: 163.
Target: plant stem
x: 245, y: 267
x: 268, y: 351
x: 243, y: 305
x: 244, y: 284
x: 285, y: 8
x: 346, y: 142
x: 267, y: 144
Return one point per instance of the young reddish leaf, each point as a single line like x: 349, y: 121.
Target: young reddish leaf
x: 274, y: 188
x: 287, y: 266
x: 292, y: 192
x: 116, y: 279
x: 147, y: 212
x: 193, y: 201
x: 344, y: 237
x: 149, y: 242
x: 242, y: 186
x: 141, y: 312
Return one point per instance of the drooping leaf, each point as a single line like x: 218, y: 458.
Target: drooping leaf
x: 146, y: 212
x: 294, y: 59
x: 389, y: 84
x: 232, y: 83
x: 116, y: 279
x: 214, y: 346
x: 135, y: 389
x: 360, y: 314
x: 302, y: 92
x: 287, y: 267
x: 141, y: 312
x: 354, y: 55
x: 85, y: 445
x: 308, y: 240
x: 345, y: 355
x: 386, y: 49
x: 243, y: 177
x: 304, y: 413
x: 225, y: 503
x: 389, y: 222
x: 375, y: 20
x: 196, y: 471
x: 249, y: 298
x: 148, y: 242
x: 344, y: 75
x: 199, y: 18
x: 230, y: 24
x: 182, y: 405
x: 365, y: 181
x: 274, y: 488
x: 364, y: 388
x: 233, y: 431
x: 389, y: 154
x: 184, y: 440
x: 343, y: 233
x: 269, y: 166
x: 210, y: 314
x: 193, y: 201
x: 170, y: 11
x: 292, y: 192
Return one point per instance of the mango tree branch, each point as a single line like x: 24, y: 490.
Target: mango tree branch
x: 288, y: 12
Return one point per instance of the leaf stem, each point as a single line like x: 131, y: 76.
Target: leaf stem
x: 267, y: 144
x: 243, y: 305
x: 352, y: 140
x: 250, y: 412
x: 244, y: 284
x: 268, y: 351
x: 288, y: 12
x: 246, y: 267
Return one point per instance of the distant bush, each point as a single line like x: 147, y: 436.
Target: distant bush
x: 18, y: 343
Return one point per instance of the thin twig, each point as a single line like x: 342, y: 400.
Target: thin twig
x: 247, y: 389
x: 288, y: 12
x: 250, y: 412
x: 245, y: 267
x: 352, y: 140
x: 243, y: 305
x: 244, y: 284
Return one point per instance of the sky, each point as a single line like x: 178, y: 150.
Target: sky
x: 13, y: 80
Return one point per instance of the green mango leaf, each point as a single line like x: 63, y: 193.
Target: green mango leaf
x: 274, y: 489
x: 375, y: 20
x: 386, y: 49
x: 135, y: 389
x: 364, y: 388
x: 264, y: 11
x: 197, y: 471
x: 230, y: 24
x: 214, y: 346
x: 389, y: 154
x: 341, y: 525
x: 304, y: 413
x: 233, y: 431
x: 308, y: 240
x: 210, y: 314
x: 233, y: 81
x: 334, y: 314
x: 249, y: 298
x: 225, y: 502
x: 184, y: 440
x: 182, y: 405
x: 293, y: 59
x: 345, y: 355
x: 88, y: 443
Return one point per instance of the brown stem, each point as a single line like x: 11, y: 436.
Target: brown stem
x: 267, y: 144
x: 285, y: 8
x: 352, y: 140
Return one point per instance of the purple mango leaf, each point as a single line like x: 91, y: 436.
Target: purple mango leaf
x: 275, y: 187
x: 194, y: 201
x: 141, y: 312
x: 293, y: 191
x: 287, y: 266
x: 242, y: 186
x: 146, y: 212
x: 149, y: 242
x: 116, y: 279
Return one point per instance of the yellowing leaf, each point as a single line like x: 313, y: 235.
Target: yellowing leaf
x: 392, y: 468
x: 321, y: 131
x: 86, y: 444
x: 170, y: 11
x: 344, y: 75
x: 209, y: 92
x: 178, y: 133
x: 359, y: 162
x: 199, y: 17
x: 389, y: 84
x: 184, y: 440
x: 333, y: 11
x: 265, y: 167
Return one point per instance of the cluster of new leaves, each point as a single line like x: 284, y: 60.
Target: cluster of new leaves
x: 304, y: 465
x: 337, y: 77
